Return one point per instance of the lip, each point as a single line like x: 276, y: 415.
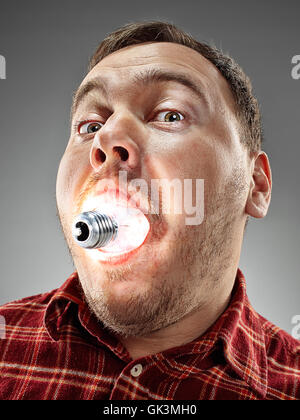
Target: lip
x: 123, y: 198
x: 121, y: 259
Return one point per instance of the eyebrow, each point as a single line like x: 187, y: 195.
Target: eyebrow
x: 143, y: 78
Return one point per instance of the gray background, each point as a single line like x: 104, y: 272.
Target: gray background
x: 47, y: 46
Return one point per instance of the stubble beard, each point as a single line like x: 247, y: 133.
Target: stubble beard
x: 183, y: 285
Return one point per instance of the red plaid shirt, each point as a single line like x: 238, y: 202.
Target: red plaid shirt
x: 54, y: 348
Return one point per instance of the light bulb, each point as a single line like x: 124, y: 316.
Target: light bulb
x: 114, y: 232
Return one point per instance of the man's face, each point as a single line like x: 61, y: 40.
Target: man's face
x: 159, y: 128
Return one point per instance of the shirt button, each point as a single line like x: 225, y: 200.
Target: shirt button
x: 136, y: 370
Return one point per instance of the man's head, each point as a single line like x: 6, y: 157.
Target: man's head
x: 157, y: 104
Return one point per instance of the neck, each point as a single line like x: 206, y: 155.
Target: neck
x: 187, y: 329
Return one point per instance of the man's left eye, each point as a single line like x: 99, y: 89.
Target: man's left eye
x: 169, y: 116
x: 89, y: 127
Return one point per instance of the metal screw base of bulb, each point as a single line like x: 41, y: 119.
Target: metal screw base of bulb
x: 94, y: 230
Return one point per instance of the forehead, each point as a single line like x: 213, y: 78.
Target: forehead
x: 120, y: 65
x: 160, y: 52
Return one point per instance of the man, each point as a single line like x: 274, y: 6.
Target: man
x: 169, y: 317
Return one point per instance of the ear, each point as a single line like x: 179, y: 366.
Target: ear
x: 260, y: 186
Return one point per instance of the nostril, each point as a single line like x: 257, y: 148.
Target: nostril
x: 122, y: 152
x: 100, y: 156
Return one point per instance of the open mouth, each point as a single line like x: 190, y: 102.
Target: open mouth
x: 132, y: 226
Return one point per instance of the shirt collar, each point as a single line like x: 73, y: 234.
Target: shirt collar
x: 238, y: 329
x: 59, y: 312
x: 58, y: 305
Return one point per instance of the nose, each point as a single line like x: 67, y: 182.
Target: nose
x: 116, y: 139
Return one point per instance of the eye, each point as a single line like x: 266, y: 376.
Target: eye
x: 89, y: 127
x: 170, y: 116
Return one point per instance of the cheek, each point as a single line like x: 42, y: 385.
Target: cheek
x: 171, y: 159
x: 212, y: 161
x: 201, y: 157
x: 73, y: 170
x: 192, y: 159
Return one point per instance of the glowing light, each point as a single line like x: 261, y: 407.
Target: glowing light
x: 133, y: 225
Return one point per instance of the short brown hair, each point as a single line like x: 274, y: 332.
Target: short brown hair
x: 156, y: 31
